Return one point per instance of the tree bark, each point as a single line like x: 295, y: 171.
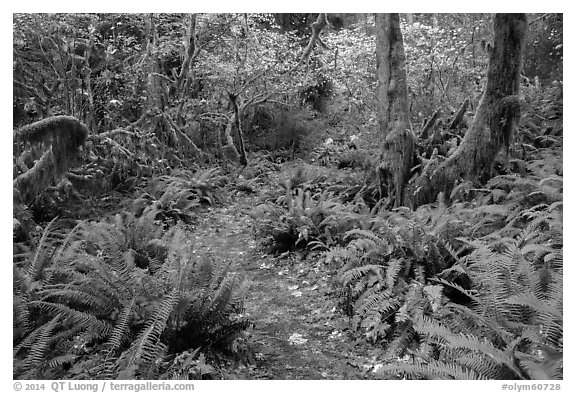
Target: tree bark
x: 229, y: 149
x: 457, y: 121
x: 237, y: 124
x: 189, y: 43
x: 397, y: 139
x: 429, y: 125
x: 155, y: 84
x: 495, y: 120
x: 190, y: 49
x: 91, y: 122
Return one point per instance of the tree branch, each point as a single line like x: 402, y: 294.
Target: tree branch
x: 316, y: 28
x: 190, y: 47
x: 539, y: 18
x: 111, y: 134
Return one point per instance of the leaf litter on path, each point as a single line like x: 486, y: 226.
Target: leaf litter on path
x: 297, y: 339
x: 289, y: 302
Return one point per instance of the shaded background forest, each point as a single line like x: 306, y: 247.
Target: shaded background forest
x: 176, y: 112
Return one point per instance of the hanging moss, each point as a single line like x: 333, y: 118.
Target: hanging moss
x: 62, y: 137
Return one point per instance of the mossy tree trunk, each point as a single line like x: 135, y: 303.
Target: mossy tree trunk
x: 397, y: 139
x: 190, y: 48
x: 238, y: 126
x: 495, y: 121
x: 154, y: 83
x: 229, y: 150
x: 156, y: 119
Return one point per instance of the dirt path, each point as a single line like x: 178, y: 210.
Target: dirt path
x: 296, y: 333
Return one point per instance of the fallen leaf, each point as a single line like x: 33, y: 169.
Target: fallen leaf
x: 297, y: 339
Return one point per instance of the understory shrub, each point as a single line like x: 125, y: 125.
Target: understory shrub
x: 384, y: 273
x: 86, y: 307
x: 467, y: 291
x: 176, y: 197
x: 273, y: 129
x: 301, y: 220
x: 513, y: 326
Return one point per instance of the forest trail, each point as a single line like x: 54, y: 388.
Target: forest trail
x: 297, y: 331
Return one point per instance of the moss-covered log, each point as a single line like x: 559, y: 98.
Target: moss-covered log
x: 495, y: 121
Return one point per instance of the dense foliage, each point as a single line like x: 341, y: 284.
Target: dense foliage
x: 128, y: 129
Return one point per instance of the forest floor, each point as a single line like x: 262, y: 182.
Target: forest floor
x: 298, y: 330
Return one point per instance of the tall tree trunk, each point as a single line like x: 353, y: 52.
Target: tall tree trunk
x: 190, y: 49
x: 91, y: 121
x: 496, y: 117
x: 229, y: 149
x: 238, y: 126
x: 155, y: 83
x: 398, y: 141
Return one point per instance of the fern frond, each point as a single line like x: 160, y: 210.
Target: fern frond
x: 215, y: 309
x: 380, y: 305
x: 21, y: 317
x: 392, y: 271
x: 473, y: 343
x: 39, y: 347
x: 543, y: 308
x: 63, y: 293
x: 405, y: 337
x: 480, y: 323
x: 98, y: 328
x: 428, y: 326
x: 366, y: 234
x: 61, y: 360
x: 483, y: 367
x: 540, y: 371
x: 21, y: 280
x: 473, y: 295
x: 359, y: 272
x: 148, y: 345
x: 432, y: 370
x: 121, y: 329
x: 39, y: 260
x: 58, y: 257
